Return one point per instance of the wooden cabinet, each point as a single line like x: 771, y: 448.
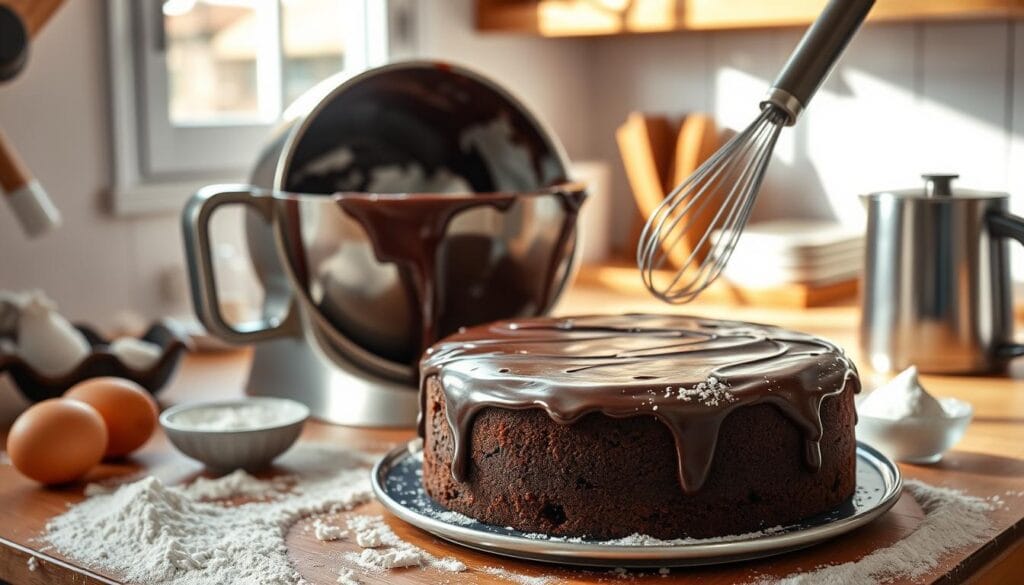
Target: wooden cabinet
x: 565, y: 18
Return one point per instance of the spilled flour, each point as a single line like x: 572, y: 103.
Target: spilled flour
x: 517, y: 578
x: 382, y: 549
x: 348, y: 577
x: 953, y: 520
x: 326, y: 532
x: 238, y: 484
x: 148, y: 532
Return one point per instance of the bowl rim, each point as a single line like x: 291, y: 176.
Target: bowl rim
x: 968, y: 414
x: 567, y: 187
x: 167, y: 416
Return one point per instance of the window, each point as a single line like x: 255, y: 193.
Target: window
x: 198, y: 85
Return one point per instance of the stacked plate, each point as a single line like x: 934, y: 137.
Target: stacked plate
x: 813, y: 253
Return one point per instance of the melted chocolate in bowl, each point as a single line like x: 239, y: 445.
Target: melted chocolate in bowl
x: 460, y: 260
x: 637, y: 365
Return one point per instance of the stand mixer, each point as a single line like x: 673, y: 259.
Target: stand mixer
x: 343, y: 323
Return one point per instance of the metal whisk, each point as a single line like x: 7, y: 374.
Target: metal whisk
x: 708, y: 211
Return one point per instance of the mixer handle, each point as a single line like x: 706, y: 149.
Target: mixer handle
x: 195, y: 223
x: 816, y: 55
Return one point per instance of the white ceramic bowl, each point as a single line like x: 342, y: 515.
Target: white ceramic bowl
x: 248, y: 448
x: 917, y: 440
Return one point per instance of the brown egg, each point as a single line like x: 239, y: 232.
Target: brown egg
x: 57, y: 440
x: 129, y: 411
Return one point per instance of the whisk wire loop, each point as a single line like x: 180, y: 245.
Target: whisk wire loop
x: 652, y: 251
x: 730, y: 178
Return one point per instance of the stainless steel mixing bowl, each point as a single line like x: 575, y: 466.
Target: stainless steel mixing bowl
x: 380, y: 280
x: 412, y: 127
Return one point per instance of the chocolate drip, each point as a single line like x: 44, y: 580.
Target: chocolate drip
x: 408, y: 230
x: 637, y: 365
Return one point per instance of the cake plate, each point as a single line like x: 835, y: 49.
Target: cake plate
x: 397, y: 481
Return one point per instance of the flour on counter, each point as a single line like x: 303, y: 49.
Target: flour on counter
x: 395, y: 557
x: 519, y: 578
x: 383, y: 549
x: 148, y: 532
x: 348, y: 577
x: 953, y: 520
x: 237, y: 484
x: 33, y: 564
x: 327, y: 532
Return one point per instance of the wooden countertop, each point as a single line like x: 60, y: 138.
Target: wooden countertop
x: 988, y: 462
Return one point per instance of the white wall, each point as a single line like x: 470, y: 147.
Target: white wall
x: 56, y: 113
x: 552, y: 76
x: 906, y: 99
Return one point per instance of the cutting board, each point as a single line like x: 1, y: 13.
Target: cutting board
x: 658, y: 156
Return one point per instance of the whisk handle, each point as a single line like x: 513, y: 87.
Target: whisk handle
x: 816, y: 55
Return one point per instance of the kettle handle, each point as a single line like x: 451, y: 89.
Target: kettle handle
x: 1003, y: 224
x: 195, y: 224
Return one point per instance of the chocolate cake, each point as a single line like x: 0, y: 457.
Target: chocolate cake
x: 606, y: 426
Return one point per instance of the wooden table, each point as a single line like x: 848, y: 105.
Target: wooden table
x: 989, y: 461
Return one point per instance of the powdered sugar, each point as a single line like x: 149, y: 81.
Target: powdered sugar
x: 711, y: 392
x: 953, y: 520
x: 645, y: 540
x: 900, y: 398
x: 452, y: 517
x: 235, y: 417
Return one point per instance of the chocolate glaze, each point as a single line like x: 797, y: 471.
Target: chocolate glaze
x: 411, y: 232
x: 634, y: 365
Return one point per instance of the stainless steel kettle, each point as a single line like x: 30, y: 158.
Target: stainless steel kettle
x: 937, y: 290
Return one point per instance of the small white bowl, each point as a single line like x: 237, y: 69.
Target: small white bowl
x: 917, y: 439
x: 225, y: 450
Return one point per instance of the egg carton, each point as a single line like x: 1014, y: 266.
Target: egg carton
x: 101, y: 362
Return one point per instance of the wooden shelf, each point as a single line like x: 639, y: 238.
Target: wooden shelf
x: 568, y: 18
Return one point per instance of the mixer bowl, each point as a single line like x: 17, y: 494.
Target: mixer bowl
x: 415, y: 126
x: 383, y: 276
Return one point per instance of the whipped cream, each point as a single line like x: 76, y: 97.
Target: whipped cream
x: 902, y: 397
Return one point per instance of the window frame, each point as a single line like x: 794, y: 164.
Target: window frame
x: 156, y: 166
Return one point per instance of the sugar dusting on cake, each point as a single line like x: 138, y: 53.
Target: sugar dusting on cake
x: 710, y: 392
